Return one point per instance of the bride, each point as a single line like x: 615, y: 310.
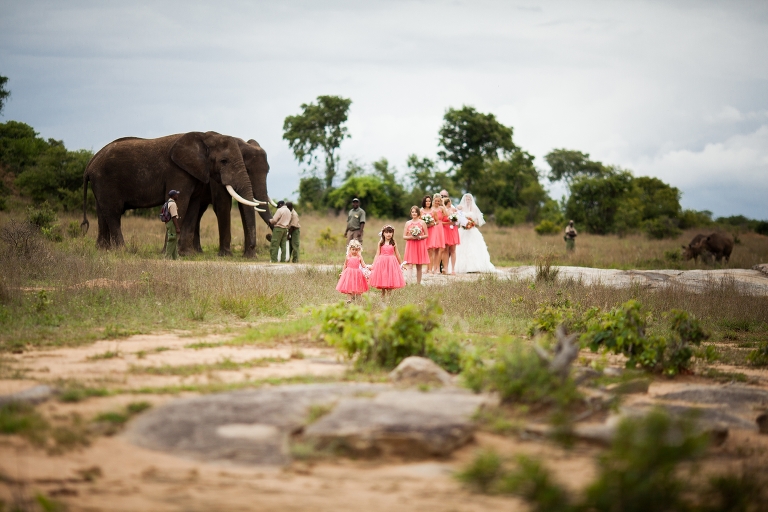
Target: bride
x: 472, y: 253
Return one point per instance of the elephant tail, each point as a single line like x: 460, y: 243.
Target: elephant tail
x: 85, y: 224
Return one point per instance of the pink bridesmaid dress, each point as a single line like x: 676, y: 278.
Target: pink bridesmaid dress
x: 416, y: 250
x: 386, y: 273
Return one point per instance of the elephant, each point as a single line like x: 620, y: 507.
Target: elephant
x: 256, y: 164
x: 138, y: 173
x: 717, y: 244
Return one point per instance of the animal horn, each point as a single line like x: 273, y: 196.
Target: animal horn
x: 238, y: 198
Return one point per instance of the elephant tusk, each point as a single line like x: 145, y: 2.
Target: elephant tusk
x: 258, y: 202
x: 272, y: 202
x: 238, y: 198
x: 258, y: 209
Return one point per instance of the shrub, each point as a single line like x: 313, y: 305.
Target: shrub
x: 74, y: 230
x: 661, y: 227
x: 505, y: 216
x: 623, y: 331
x: 21, y: 238
x: 42, y: 216
x: 327, y: 240
x: 761, y: 228
x: 383, y: 340
x: 547, y: 227
x: 517, y: 374
x: 544, y: 269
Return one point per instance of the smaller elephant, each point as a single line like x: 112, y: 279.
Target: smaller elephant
x: 717, y: 244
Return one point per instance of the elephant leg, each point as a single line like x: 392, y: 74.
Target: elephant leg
x: 103, y: 241
x: 196, y: 246
x: 222, y: 207
x: 115, y: 230
x: 249, y: 239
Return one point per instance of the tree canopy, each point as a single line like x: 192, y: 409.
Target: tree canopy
x: 567, y: 165
x: 319, y: 127
x: 469, y: 139
x: 4, y: 93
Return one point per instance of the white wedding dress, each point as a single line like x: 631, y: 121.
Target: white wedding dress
x: 472, y: 253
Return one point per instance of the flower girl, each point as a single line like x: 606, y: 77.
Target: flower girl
x: 352, y: 281
x: 386, y: 274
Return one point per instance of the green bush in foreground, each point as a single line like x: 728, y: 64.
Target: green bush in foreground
x: 518, y: 375
x: 639, y: 473
x: 383, y: 340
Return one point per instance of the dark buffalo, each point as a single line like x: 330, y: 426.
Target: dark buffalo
x: 717, y: 244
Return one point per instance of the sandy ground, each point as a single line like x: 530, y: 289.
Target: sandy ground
x: 131, y: 478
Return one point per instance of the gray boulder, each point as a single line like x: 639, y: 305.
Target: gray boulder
x: 416, y: 370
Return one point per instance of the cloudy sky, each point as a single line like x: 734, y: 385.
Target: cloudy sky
x: 673, y: 89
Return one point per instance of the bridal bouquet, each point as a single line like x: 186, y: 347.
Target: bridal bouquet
x: 415, y: 231
x: 428, y: 220
x: 469, y: 225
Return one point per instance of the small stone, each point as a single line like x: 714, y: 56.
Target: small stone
x: 416, y: 370
x: 32, y: 396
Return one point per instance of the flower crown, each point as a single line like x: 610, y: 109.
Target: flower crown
x: 354, y: 244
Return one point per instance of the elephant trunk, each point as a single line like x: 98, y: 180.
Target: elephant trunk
x: 239, y: 191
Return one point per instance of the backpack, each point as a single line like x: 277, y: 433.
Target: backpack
x: 165, y: 212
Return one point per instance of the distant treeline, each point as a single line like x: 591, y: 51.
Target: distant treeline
x: 481, y: 158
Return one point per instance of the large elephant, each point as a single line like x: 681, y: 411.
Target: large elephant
x: 256, y: 164
x: 138, y: 173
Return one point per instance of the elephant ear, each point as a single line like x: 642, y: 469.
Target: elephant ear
x: 253, y: 143
x: 191, y: 154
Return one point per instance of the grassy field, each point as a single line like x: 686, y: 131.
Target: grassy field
x: 512, y: 246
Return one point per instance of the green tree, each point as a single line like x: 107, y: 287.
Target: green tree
x: 567, y: 165
x: 319, y: 127
x: 595, y: 200
x: 4, y: 93
x: 469, y: 139
x: 658, y: 198
x: 56, y: 176
x: 391, y: 187
x: 369, y: 189
x: 311, y: 193
x: 425, y: 178
x: 20, y: 146
x: 512, y: 184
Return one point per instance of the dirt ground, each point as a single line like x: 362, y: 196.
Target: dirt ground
x: 112, y: 474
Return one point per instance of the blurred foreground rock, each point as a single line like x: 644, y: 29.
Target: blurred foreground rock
x: 258, y: 426
x: 32, y: 396
x: 416, y: 370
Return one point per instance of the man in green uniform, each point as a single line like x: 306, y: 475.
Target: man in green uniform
x: 172, y: 228
x: 294, y: 231
x: 355, y: 222
x: 281, y: 220
x: 570, y: 237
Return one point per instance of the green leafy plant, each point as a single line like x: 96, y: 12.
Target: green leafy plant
x: 518, y: 374
x: 42, y: 216
x: 237, y: 306
x: 547, y: 227
x: 327, y: 240
x: 381, y: 340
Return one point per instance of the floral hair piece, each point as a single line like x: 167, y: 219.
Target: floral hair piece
x: 354, y: 244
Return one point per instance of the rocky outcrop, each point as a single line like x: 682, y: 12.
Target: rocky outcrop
x: 257, y: 426
x: 416, y: 370
x: 33, y: 395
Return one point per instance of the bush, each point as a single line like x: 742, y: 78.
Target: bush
x: 42, y: 216
x: 623, y: 331
x: 383, y: 340
x: 547, y: 227
x: 761, y: 228
x: 517, y: 374
x: 661, y: 227
x: 506, y: 216
x: 327, y: 240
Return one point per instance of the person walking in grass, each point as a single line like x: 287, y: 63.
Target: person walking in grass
x: 355, y: 222
x: 294, y: 230
x: 281, y: 220
x: 570, y: 236
x: 172, y: 228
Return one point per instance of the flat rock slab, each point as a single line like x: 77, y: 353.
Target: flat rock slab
x: 33, y: 395
x: 729, y: 396
x: 400, y: 423
x: 255, y: 426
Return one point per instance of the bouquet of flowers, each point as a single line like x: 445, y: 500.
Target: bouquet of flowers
x: 454, y: 217
x: 428, y: 219
x: 366, y: 270
x: 415, y: 231
x: 469, y: 225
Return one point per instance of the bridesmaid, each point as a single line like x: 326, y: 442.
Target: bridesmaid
x: 426, y: 206
x: 436, y: 239
x: 451, y: 232
x: 415, y: 235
